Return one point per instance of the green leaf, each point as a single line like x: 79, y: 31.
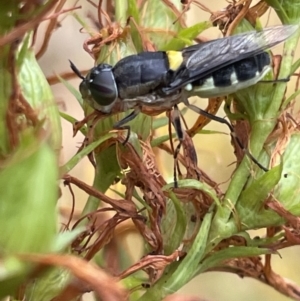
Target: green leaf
x: 184, y: 270
x: 194, y: 184
x: 107, y: 169
x: 37, y: 92
x: 250, y: 204
x: 188, y: 265
x: 141, y: 125
x: 113, y: 52
x: 70, y: 88
x: 290, y: 98
x: 84, y: 152
x: 158, y: 141
x: 33, y: 171
x: 49, y: 285
x: 64, y: 239
x: 9, y: 15
x: 286, y: 192
x: 210, y: 132
x: 173, y: 224
x: 135, y: 142
x: 295, y: 66
x: 287, y: 11
x: 163, y: 121
x: 73, y: 120
x: 142, y: 202
x: 133, y: 10
x: 27, y: 208
x: 160, y: 122
x: 217, y: 258
x: 159, y: 21
x: 82, y: 22
x: 185, y: 36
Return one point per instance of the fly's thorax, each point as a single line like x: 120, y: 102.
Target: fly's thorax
x: 141, y: 74
x: 231, y: 78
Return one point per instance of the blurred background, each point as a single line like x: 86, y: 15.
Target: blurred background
x: 215, y: 153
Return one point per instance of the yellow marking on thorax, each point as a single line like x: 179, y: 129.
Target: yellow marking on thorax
x: 175, y: 59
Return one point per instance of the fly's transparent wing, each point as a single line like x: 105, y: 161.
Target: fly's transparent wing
x: 231, y: 49
x: 203, y: 59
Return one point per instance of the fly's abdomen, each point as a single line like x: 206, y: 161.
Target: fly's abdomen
x: 229, y: 79
x: 141, y: 74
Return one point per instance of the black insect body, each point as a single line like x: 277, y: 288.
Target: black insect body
x: 231, y: 78
x: 130, y: 79
x: 142, y: 74
x: 161, y: 80
x: 214, y: 68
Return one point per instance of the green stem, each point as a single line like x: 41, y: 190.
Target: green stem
x: 184, y: 271
x: 5, y: 92
x: 120, y: 11
x: 285, y: 69
x: 261, y: 129
x: 106, y: 171
x: 277, y: 6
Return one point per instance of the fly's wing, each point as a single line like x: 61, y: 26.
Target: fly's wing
x: 203, y: 59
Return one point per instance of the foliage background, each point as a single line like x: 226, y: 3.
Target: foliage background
x: 214, y: 153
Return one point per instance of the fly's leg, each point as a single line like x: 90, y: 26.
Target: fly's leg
x: 96, y: 116
x: 180, y: 134
x: 93, y: 118
x: 224, y: 121
x: 120, y: 125
x: 79, y: 124
x: 90, y: 137
x: 274, y: 81
x: 214, y: 104
x: 176, y: 168
x: 190, y: 158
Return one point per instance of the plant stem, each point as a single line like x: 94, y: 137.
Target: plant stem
x: 260, y: 131
x: 120, y: 10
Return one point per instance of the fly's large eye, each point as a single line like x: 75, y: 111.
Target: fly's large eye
x: 102, y: 85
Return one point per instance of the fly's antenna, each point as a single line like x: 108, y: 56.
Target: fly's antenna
x: 76, y: 71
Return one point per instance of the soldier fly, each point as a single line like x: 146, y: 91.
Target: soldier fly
x: 154, y: 82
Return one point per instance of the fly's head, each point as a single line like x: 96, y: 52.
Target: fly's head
x: 101, y: 84
x: 98, y: 88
